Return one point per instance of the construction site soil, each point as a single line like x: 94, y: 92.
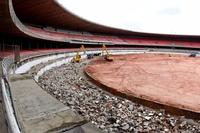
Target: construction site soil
x: 166, y: 79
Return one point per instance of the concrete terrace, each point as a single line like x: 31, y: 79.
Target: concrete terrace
x: 37, y: 111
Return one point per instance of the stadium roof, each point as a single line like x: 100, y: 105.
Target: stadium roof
x: 28, y: 18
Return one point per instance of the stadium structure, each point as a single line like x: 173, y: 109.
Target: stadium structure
x: 62, y: 73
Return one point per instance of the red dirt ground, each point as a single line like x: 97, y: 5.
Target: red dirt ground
x: 172, y: 80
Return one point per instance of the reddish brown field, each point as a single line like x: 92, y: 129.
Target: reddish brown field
x: 172, y: 80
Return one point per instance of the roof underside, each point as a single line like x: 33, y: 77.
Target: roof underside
x: 18, y: 14
x: 50, y: 13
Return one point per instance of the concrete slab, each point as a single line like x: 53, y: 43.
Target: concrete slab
x: 37, y: 111
x: 89, y: 128
x: 86, y: 128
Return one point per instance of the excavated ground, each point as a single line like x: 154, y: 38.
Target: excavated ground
x: 109, y: 113
x: 171, y: 80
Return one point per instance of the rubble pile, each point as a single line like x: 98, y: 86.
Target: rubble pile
x: 109, y: 113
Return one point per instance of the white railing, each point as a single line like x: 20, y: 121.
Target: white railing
x: 12, y: 124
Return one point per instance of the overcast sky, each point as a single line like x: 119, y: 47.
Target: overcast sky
x: 154, y: 16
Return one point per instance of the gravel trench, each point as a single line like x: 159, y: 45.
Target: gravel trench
x: 105, y: 111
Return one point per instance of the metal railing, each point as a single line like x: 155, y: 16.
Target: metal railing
x: 9, y: 55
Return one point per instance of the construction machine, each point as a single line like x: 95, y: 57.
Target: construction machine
x: 107, y: 56
x: 77, y: 57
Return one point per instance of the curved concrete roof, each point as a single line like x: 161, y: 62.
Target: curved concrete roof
x: 26, y: 18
